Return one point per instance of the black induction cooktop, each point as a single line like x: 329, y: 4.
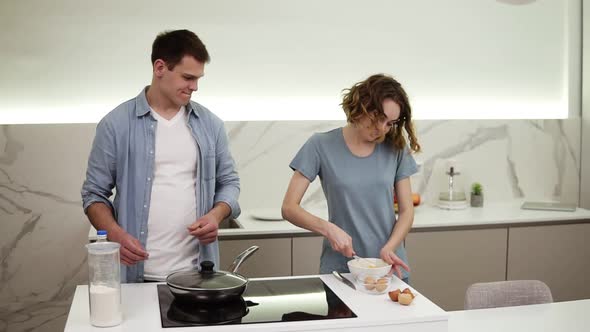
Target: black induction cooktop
x: 264, y: 301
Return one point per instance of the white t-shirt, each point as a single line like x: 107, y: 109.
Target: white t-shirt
x: 173, y: 200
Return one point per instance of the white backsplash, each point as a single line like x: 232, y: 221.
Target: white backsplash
x: 42, y: 168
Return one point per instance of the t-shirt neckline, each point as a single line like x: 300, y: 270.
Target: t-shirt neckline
x: 343, y: 140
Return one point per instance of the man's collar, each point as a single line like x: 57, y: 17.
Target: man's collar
x: 192, y: 109
x: 143, y: 107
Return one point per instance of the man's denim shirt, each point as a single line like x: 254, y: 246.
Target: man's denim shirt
x: 122, y: 157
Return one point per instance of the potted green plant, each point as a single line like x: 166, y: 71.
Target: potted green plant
x: 476, y: 195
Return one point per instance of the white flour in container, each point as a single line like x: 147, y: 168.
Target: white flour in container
x: 105, y: 306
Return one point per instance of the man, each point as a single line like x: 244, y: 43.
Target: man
x: 168, y: 159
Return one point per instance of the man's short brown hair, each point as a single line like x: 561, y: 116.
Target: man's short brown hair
x: 172, y: 46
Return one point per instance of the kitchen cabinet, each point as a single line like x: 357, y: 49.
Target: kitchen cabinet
x: 273, y: 259
x: 306, y: 255
x: 558, y: 255
x: 445, y: 263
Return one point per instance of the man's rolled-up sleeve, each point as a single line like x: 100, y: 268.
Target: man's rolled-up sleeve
x: 227, y: 182
x: 101, y: 172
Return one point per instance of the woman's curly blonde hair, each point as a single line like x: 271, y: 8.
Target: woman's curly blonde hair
x: 365, y: 99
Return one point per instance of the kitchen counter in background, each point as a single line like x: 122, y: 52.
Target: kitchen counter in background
x: 426, y: 218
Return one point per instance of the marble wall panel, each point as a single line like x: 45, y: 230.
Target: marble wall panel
x: 43, y: 229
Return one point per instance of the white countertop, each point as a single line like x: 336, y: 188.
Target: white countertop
x: 571, y: 316
x: 375, y: 312
x: 426, y: 216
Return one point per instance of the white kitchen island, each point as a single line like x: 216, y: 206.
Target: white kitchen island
x: 375, y: 313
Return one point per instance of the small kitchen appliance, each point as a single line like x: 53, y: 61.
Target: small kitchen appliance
x: 454, y: 197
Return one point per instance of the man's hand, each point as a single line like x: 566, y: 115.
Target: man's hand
x: 205, y: 229
x: 389, y: 256
x: 101, y: 217
x: 131, y: 250
x: 340, y: 240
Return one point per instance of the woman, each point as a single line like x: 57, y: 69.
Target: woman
x: 361, y: 166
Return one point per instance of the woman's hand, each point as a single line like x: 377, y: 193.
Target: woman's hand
x: 340, y: 240
x: 389, y: 256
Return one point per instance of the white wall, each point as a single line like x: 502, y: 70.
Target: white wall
x: 72, y: 61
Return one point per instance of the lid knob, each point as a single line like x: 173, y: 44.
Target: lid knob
x: 207, y: 267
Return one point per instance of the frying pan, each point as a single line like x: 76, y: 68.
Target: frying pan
x: 209, y: 286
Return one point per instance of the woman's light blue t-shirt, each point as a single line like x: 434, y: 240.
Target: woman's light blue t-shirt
x: 359, y: 191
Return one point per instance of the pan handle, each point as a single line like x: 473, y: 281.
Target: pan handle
x: 233, y: 268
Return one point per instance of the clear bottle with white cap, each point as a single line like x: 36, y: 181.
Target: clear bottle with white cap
x: 104, y: 282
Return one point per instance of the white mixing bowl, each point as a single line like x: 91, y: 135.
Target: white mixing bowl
x: 376, y: 268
